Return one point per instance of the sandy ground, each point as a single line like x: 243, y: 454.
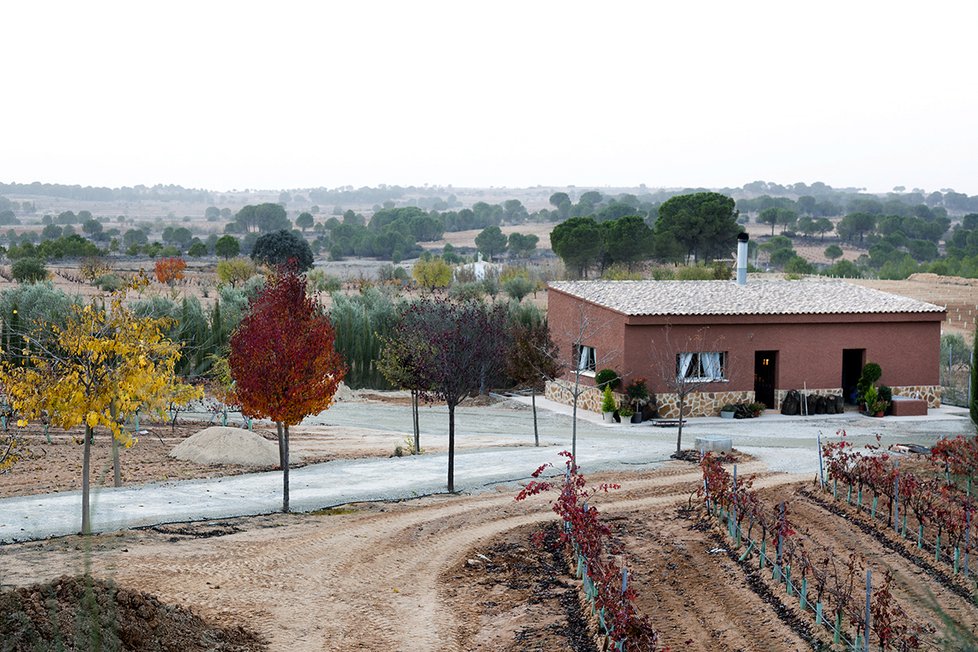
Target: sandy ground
x: 56, y: 466
x: 369, y: 576
x: 462, y: 572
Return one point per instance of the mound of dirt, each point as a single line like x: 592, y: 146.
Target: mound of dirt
x: 344, y: 393
x: 81, y: 613
x: 222, y: 445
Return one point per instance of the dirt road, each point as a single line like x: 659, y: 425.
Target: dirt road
x: 371, y: 577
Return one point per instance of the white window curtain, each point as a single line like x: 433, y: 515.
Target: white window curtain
x: 586, y: 361
x: 685, y: 361
x: 712, y: 368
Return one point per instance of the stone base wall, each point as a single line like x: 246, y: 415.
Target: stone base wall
x: 779, y: 394
x: 930, y: 393
x: 708, y: 404
x: 590, y: 398
x: 700, y: 404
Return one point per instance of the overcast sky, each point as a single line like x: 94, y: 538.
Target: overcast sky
x: 227, y: 95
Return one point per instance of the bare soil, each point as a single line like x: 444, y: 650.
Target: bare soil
x: 79, y: 613
x: 45, y: 467
x: 959, y: 295
x: 468, y: 573
x: 375, y: 576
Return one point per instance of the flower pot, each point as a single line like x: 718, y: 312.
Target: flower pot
x: 727, y: 415
x: 637, y: 417
x: 608, y: 417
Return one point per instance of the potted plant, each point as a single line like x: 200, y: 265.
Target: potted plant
x: 638, y: 396
x: 608, y: 405
x: 756, y: 408
x: 886, y: 395
x: 870, y: 374
x: 728, y: 411
x: 626, y: 413
x: 874, y: 404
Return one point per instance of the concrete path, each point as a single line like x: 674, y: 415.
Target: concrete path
x: 784, y: 443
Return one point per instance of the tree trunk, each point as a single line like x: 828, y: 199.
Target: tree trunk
x: 116, y: 469
x: 281, y: 445
x: 679, y: 439
x: 577, y: 393
x: 451, y: 448
x: 533, y: 401
x: 417, y: 427
x: 86, y: 484
x: 285, y: 470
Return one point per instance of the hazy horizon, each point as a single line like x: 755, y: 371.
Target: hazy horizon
x: 225, y: 96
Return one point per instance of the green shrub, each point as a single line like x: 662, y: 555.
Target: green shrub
x: 319, y: 281
x: 620, y: 272
x: 109, y: 282
x: 608, y: 400
x: 695, y: 273
x: 467, y: 291
x: 871, y: 373
x: 28, y: 270
x: 518, y: 287
x: 607, y: 378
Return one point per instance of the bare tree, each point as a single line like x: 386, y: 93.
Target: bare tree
x: 533, y: 360
x: 455, y: 350
x: 583, y: 328
x: 689, y: 369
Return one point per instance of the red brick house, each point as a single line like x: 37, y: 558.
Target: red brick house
x: 742, y: 342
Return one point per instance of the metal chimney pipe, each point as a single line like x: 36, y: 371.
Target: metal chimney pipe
x: 742, y: 239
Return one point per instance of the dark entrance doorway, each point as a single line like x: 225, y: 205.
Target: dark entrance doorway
x: 765, y: 365
x: 852, y: 368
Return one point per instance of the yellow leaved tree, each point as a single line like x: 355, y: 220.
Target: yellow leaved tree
x: 8, y: 452
x: 98, y: 369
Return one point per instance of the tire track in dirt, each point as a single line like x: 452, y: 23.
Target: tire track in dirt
x: 698, y: 597
x: 369, y: 580
x: 924, y: 599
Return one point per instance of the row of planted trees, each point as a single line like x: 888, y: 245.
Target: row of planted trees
x: 446, y: 350
x: 99, y: 365
x: 832, y: 588
x: 931, y: 503
x: 598, y: 561
x: 273, y: 348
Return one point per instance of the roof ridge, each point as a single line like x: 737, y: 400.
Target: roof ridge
x: 721, y: 297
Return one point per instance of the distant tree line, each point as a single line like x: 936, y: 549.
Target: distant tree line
x: 96, y: 193
x: 687, y: 228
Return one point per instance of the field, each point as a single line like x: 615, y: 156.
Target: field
x: 471, y: 572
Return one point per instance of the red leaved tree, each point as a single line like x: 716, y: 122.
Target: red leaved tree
x: 282, y: 360
x: 169, y: 270
x: 448, y: 351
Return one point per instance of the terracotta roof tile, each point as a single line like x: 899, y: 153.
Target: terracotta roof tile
x: 807, y: 297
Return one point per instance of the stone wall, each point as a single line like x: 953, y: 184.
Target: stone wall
x: 930, y: 393
x: 700, y: 404
x: 708, y: 404
x: 779, y: 394
x: 590, y: 398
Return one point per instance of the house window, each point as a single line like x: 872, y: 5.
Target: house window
x: 701, y: 366
x: 586, y: 360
